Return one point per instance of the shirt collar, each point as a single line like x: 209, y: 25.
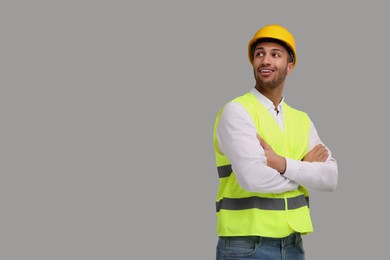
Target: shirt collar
x: 269, y: 105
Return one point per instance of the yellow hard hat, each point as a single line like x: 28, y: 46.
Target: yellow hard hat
x: 275, y: 32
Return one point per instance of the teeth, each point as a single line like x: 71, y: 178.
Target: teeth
x: 265, y: 70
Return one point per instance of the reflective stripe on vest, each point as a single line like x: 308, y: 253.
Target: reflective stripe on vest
x: 224, y: 171
x: 262, y: 203
x: 257, y: 202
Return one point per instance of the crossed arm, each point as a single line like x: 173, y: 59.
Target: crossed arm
x: 258, y: 168
x: 308, y: 175
x: 318, y: 154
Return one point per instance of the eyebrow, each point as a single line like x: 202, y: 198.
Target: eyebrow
x: 273, y: 49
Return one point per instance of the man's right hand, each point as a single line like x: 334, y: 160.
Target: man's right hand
x: 274, y: 160
x: 318, y: 154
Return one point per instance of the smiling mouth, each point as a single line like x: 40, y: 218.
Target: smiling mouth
x: 265, y: 72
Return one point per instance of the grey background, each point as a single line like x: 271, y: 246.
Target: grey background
x: 107, y: 111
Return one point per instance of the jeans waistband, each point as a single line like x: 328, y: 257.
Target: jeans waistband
x: 293, y: 238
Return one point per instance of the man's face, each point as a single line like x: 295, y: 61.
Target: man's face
x: 270, y: 64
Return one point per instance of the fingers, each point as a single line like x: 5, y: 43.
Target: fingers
x: 321, y: 153
x: 318, y: 148
x: 318, y: 154
x: 325, y: 155
x: 258, y: 137
x: 262, y: 142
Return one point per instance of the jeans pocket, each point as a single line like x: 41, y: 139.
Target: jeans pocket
x: 240, y: 247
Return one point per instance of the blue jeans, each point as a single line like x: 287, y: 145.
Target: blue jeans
x: 253, y: 247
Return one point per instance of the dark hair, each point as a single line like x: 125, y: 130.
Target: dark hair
x: 289, y: 50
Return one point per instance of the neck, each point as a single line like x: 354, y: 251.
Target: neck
x: 273, y: 94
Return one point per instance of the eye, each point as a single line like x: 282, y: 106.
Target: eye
x: 276, y: 54
x: 259, y: 54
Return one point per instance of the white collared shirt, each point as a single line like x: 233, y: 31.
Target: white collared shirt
x: 236, y: 135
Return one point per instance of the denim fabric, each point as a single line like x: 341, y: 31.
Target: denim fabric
x: 261, y: 248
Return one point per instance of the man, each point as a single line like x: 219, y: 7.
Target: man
x: 268, y: 156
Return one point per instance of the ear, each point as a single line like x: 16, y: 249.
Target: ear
x: 290, y: 67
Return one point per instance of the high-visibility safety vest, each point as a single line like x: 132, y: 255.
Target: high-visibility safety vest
x: 244, y: 213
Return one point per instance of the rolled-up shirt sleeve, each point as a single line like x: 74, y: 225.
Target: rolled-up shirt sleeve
x: 236, y: 136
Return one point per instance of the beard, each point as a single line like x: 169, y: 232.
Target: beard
x: 274, y: 83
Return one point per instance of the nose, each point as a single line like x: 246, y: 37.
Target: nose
x: 266, y: 59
